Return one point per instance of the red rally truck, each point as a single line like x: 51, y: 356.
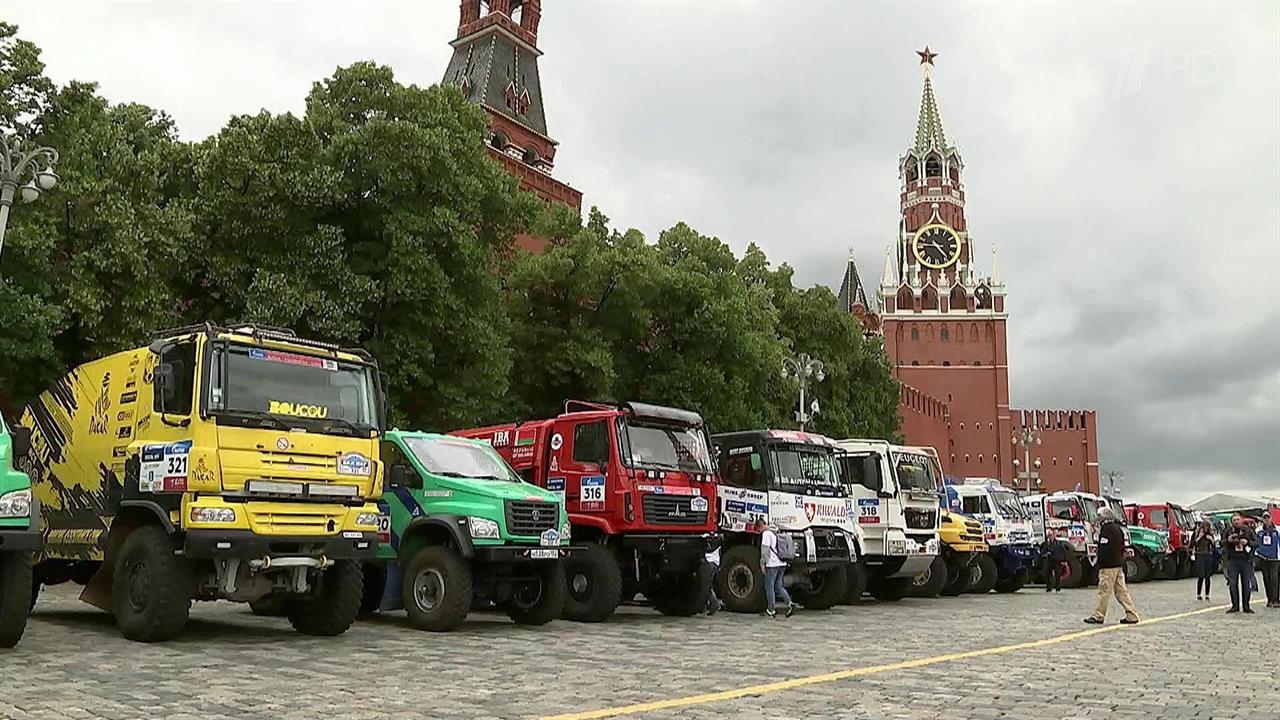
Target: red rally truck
x: 639, y: 483
x: 1179, y: 522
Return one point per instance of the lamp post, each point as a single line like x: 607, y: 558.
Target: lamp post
x: 1026, y: 437
x: 20, y: 175
x: 803, y: 369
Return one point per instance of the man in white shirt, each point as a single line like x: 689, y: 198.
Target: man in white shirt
x: 774, y: 568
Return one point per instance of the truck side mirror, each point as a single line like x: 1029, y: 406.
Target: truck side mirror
x: 755, y: 462
x: 21, y: 438
x: 163, y: 383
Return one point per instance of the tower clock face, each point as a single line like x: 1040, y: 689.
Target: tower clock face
x: 936, y: 246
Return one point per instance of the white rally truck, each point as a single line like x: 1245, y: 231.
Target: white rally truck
x: 895, y: 498
x: 1011, y: 556
x: 788, y: 479
x: 1074, y: 518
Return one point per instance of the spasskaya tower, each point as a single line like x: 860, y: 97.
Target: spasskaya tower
x: 945, y: 330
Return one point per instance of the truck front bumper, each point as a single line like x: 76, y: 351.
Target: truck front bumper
x: 498, y: 554
x: 244, y: 544
x: 678, y: 552
x: 19, y: 539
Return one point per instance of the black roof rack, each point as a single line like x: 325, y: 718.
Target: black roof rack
x: 262, y: 332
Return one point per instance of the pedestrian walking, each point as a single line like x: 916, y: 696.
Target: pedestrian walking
x: 775, y: 551
x: 713, y: 569
x: 1238, y: 544
x: 1053, y: 554
x: 1269, y: 552
x: 1111, y: 571
x: 1204, y: 555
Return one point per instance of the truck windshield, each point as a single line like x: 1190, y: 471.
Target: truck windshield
x: 1008, y: 505
x: 460, y: 458
x: 1182, y: 518
x: 914, y: 471
x: 264, y: 382
x: 1090, y: 509
x: 1066, y: 509
x: 1116, y: 507
x: 798, y: 467
x: 674, y: 447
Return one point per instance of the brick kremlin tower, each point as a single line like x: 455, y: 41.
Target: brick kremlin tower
x: 495, y: 64
x: 944, y: 327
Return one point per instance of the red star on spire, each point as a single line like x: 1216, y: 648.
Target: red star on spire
x: 926, y: 57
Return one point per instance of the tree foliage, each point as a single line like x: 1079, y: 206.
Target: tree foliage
x: 378, y: 219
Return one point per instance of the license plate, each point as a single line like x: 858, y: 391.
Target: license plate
x: 544, y: 554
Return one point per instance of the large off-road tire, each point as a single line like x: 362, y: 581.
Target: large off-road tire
x: 987, y: 575
x: 856, y: 585
x: 539, y: 601
x: 1075, y: 576
x: 1144, y: 568
x: 684, y: 594
x: 1185, y: 567
x: 959, y: 575
x: 36, y: 585
x: 890, y: 589
x: 152, y: 588
x: 375, y: 585
x: 331, y: 606
x: 277, y: 605
x: 930, y: 582
x: 1013, y: 584
x: 15, y: 596
x: 437, y: 589
x: 830, y: 587
x: 740, y: 583
x: 595, y: 584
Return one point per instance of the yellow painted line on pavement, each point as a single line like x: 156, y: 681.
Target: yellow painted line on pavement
x: 773, y: 687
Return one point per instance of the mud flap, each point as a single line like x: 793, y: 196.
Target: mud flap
x: 97, y: 592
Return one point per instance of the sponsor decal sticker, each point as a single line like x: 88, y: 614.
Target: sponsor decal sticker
x: 556, y: 485
x: 301, y: 410
x: 129, y: 397
x: 282, y: 443
x: 292, y: 359
x: 591, y: 492
x: 868, y: 511
x: 549, y: 537
x: 354, y: 464
x: 557, y: 441
x: 698, y: 504
x: 164, y: 467
x: 740, y: 451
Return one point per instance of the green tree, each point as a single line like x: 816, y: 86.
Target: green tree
x: 378, y: 219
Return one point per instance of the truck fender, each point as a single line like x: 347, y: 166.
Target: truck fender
x: 451, y: 526
x: 598, y: 524
x: 162, y: 516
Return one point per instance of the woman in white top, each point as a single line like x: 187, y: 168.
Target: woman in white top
x: 774, y: 568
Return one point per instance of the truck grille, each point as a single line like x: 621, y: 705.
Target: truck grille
x: 532, y: 518
x: 672, y: 510
x: 830, y: 544
x: 918, y: 519
x: 972, y: 532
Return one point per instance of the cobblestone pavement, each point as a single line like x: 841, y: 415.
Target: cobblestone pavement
x: 230, y: 664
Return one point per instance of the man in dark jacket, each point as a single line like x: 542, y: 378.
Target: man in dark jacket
x: 1111, y: 571
x: 1053, y: 553
x: 1269, y: 553
x: 1238, y: 544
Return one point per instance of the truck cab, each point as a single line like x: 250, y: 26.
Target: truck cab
x: 461, y: 528
x: 894, y: 492
x: 1178, y: 522
x: 639, y: 484
x: 1148, y: 549
x: 788, y: 480
x: 1011, y: 555
x: 1074, y: 519
x: 19, y: 535
x: 217, y: 463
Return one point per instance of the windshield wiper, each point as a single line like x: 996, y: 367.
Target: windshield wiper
x: 255, y: 415
x: 355, y: 429
x: 465, y: 476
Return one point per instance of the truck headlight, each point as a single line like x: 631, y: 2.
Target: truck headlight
x: 16, y: 504
x: 566, y: 532
x: 369, y: 520
x: 213, y: 515
x: 483, y: 528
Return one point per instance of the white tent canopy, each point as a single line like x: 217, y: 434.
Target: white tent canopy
x: 1219, y: 502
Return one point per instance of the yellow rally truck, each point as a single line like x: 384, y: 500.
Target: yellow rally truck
x: 217, y: 463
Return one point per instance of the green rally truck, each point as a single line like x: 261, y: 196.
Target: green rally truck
x: 19, y: 535
x: 460, y: 529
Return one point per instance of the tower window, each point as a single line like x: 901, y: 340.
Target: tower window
x: 946, y: 363
x: 913, y: 173
x: 977, y: 363
x: 915, y: 362
x: 944, y: 335
x: 915, y: 333
x: 955, y: 174
x: 500, y: 141
x: 531, y: 156
x: 933, y: 169
x: 973, y: 332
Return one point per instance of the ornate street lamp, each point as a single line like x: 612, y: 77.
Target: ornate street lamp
x: 25, y: 172
x: 804, y: 369
x: 1027, y: 437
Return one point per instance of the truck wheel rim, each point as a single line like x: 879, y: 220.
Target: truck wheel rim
x: 923, y: 578
x: 741, y: 581
x: 139, y: 586
x: 428, y: 589
x: 529, y: 595
x: 580, y: 584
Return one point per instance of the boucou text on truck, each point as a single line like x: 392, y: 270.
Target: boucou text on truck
x: 640, y: 487
x: 217, y: 463
x: 19, y: 535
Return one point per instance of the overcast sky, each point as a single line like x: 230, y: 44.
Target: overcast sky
x: 1123, y: 157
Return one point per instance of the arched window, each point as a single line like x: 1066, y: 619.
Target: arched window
x: 979, y: 457
x: 958, y: 297
x: 966, y: 457
x: 913, y: 172
x: 500, y: 141
x: 929, y: 329
x: 905, y: 299
x: 531, y: 156
x: 959, y: 332
x: 973, y: 332
x: 915, y: 362
x: 915, y: 333
x: 961, y: 426
x: 929, y: 298
x: 1055, y: 461
x: 955, y: 174
x: 933, y: 168
x: 1070, y: 461
x: 982, y: 296
x: 946, y: 363
x: 977, y: 363
x: 944, y: 335
x: 988, y: 332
